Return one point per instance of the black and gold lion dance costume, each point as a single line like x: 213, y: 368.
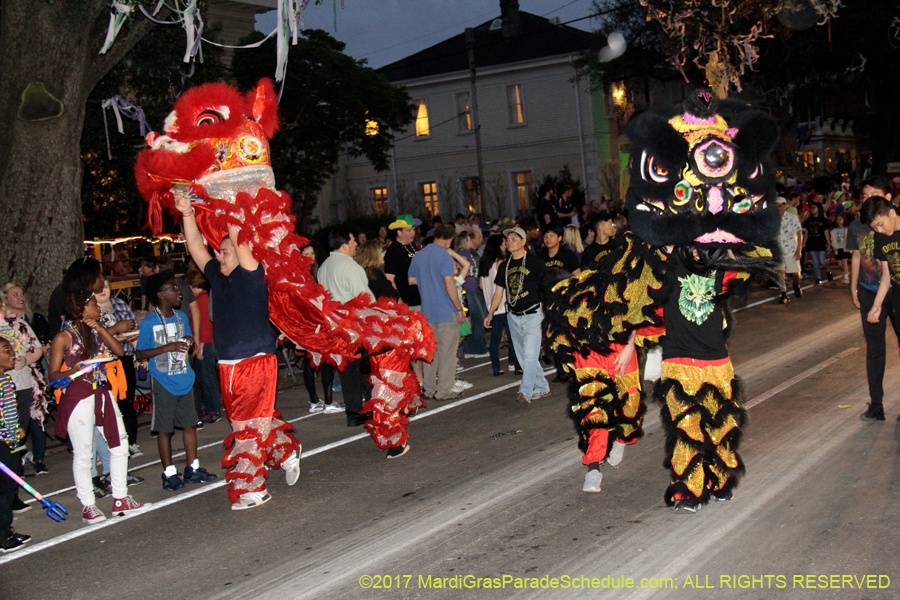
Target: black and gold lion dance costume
x: 701, y: 211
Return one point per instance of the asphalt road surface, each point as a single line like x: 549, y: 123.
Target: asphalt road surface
x: 816, y: 515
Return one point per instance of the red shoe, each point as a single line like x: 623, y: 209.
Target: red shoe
x: 128, y: 505
x: 91, y: 514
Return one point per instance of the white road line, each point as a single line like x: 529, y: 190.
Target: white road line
x: 795, y: 380
x: 221, y: 483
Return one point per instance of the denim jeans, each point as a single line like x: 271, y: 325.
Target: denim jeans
x: 474, y: 344
x: 818, y: 258
x: 498, y: 324
x: 208, y: 376
x: 525, y: 331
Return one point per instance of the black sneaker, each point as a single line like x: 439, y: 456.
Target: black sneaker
x: 872, y: 413
x: 798, y: 293
x: 18, y: 506
x: 198, y: 475
x: 102, y: 487
x: 685, y: 507
x: 40, y: 468
x: 830, y: 276
x: 10, y: 540
x: 131, y: 480
x: 172, y: 483
x: 397, y: 451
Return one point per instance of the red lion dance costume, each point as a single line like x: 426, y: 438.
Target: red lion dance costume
x: 215, y: 149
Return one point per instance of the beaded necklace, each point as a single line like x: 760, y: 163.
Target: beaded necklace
x: 410, y: 249
x: 9, y: 418
x: 514, y: 296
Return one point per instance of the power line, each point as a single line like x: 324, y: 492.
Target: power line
x: 560, y: 8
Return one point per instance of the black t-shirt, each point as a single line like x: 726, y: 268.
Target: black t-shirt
x: 817, y: 229
x: 523, y: 284
x: 887, y: 248
x: 695, y: 319
x: 546, y: 207
x: 240, y: 312
x: 396, y: 262
x: 564, y: 206
x: 860, y: 237
x: 565, y: 259
x: 595, y: 252
x: 381, y: 287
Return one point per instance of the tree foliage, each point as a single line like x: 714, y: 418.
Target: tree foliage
x: 327, y: 102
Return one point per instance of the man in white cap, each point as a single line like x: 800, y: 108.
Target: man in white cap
x: 790, y: 239
x: 520, y: 275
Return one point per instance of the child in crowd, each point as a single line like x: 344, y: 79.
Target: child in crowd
x: 10, y: 434
x: 165, y: 340
x: 839, y: 243
x: 87, y: 396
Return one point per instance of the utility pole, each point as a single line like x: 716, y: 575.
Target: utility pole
x: 473, y: 106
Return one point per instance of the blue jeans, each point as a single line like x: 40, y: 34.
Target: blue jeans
x: 208, y: 376
x: 525, y: 331
x: 101, y: 450
x: 498, y: 324
x: 818, y: 258
x: 474, y: 344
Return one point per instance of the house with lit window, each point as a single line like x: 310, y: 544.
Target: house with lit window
x: 535, y: 117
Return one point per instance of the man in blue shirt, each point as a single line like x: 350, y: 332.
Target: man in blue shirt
x: 432, y: 270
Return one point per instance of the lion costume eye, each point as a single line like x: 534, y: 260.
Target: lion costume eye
x: 650, y: 168
x: 209, y: 117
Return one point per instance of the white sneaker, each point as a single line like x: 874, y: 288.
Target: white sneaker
x: 592, y: 481
x: 292, y: 468
x: 845, y: 279
x: 316, y: 407
x: 134, y: 450
x: 615, y: 455
x: 461, y: 386
x: 251, y: 500
x: 28, y: 458
x: 334, y: 407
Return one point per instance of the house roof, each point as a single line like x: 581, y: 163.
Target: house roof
x: 538, y: 38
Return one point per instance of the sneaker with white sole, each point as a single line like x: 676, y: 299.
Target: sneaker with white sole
x: 397, y: 451
x: 615, y: 455
x: 592, y: 481
x: 522, y: 399
x: 332, y: 408
x: 685, y: 507
x: 127, y: 506
x: 316, y: 407
x: 91, y: 514
x: 291, y: 468
x: 461, y: 385
x: 251, y: 500
x: 134, y: 451
x: 538, y: 395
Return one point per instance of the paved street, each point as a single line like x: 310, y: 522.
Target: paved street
x: 820, y: 498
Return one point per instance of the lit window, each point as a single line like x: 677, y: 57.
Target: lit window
x: 422, y: 118
x: 430, y: 197
x: 473, y: 195
x: 379, y: 200
x: 524, y: 189
x: 463, y: 112
x: 516, y: 107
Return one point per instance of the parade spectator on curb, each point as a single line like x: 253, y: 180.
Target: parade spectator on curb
x: 572, y: 241
x: 791, y: 240
x: 564, y: 209
x: 546, y: 207
x: 604, y: 227
x: 205, y: 361
x: 818, y: 241
x: 473, y: 345
x: 27, y: 373
x: 326, y: 371
x: 165, y: 341
x: 119, y: 320
x: 398, y: 258
x: 344, y: 279
x: 494, y: 253
x: 839, y: 243
x: 532, y: 233
x: 865, y: 280
x: 164, y: 263
x: 555, y: 255
x: 9, y: 539
x: 85, y: 398
x: 371, y: 259
x: 520, y: 276
x: 432, y: 270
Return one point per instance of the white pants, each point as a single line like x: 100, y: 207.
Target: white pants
x: 81, y: 434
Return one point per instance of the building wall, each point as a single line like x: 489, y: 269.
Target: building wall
x: 547, y: 141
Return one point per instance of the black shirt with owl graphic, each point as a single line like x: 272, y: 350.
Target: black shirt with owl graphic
x: 887, y: 248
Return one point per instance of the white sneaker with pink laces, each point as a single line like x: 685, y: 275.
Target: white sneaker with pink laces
x: 128, y: 505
